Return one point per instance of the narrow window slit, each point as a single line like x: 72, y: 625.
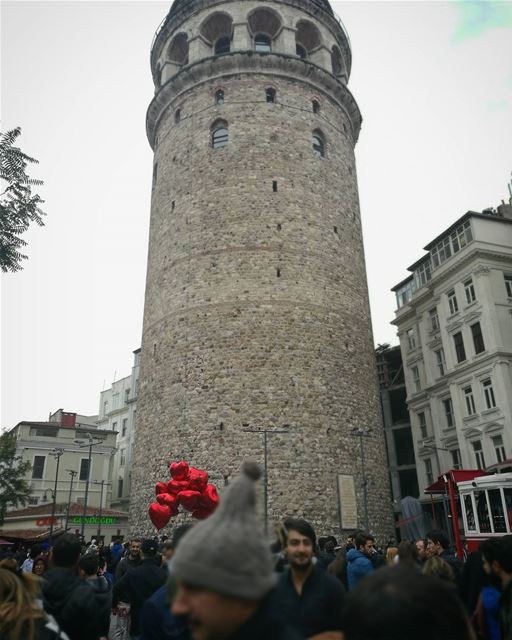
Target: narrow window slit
x: 274, y: 185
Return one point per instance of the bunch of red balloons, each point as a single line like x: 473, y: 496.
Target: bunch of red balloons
x: 189, y: 488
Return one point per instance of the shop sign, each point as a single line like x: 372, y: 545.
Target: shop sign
x: 79, y: 520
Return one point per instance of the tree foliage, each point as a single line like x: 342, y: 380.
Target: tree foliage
x: 14, y: 488
x: 18, y: 206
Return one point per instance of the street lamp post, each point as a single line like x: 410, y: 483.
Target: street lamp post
x: 361, y: 433
x: 102, y: 483
x: 72, y: 473
x: 265, y: 433
x: 57, y: 452
x: 89, y: 444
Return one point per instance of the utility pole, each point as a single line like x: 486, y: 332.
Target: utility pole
x: 89, y: 444
x: 72, y: 473
x: 265, y: 433
x: 360, y: 432
x: 56, y: 453
x: 102, y: 483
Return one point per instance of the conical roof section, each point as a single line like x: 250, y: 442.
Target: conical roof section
x: 178, y: 5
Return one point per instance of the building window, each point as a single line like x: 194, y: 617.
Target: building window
x: 122, y: 457
x: 448, y: 412
x: 316, y: 106
x: 479, y: 455
x: 499, y: 448
x: 440, y: 360
x: 177, y: 116
x: 422, y: 274
x: 270, y: 94
x: 114, y: 426
x: 318, y: 144
x: 126, y: 395
x: 33, y: 500
x: 219, y: 97
x: 300, y: 51
x: 220, y: 134
x: 508, y: 285
x: 456, y: 460
x: 84, y: 469
x: 469, y: 290
x: 452, y: 302
x: 222, y: 45
x: 115, y: 401
x: 262, y: 43
x: 422, y: 419
x: 434, y: 319
x: 428, y: 471
x: 451, y: 244
x: 411, y: 338
x: 490, y: 400
x: 470, y: 401
x: 105, y: 407
x: 416, y: 378
x: 478, y: 339
x: 120, y: 488
x: 124, y: 426
x: 458, y: 341
x: 38, y: 467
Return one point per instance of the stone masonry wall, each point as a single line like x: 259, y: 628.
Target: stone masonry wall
x: 256, y: 311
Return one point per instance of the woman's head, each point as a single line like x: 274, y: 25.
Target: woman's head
x: 407, y: 553
x: 439, y: 568
x: 18, y: 609
x: 391, y: 554
x: 40, y: 565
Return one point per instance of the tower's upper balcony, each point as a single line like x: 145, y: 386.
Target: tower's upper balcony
x: 199, y: 29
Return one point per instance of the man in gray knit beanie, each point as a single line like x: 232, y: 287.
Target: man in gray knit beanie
x: 224, y: 571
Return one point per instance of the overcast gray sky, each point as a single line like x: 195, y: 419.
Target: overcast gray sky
x: 434, y: 84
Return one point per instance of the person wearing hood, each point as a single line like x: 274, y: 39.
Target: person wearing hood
x: 88, y: 566
x: 67, y: 598
x: 358, y: 559
x: 224, y: 574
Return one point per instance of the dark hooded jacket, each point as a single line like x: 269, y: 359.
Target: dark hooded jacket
x: 103, y: 598
x: 267, y: 622
x: 72, y: 603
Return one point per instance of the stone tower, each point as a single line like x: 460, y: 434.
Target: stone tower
x: 256, y: 311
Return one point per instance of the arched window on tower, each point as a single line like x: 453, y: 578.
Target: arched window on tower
x: 219, y: 97
x: 318, y: 144
x: 316, y: 106
x: 262, y: 43
x: 270, y: 94
x: 220, y: 136
x: 307, y: 39
x: 222, y: 45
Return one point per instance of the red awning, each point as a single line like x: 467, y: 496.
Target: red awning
x: 457, y: 475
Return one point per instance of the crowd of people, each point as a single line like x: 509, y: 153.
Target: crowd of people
x: 220, y: 580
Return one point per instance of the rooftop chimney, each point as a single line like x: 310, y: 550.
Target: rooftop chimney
x: 67, y: 419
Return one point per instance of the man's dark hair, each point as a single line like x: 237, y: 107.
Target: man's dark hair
x: 89, y: 564
x: 66, y: 551
x: 439, y: 537
x: 300, y: 526
x: 404, y: 604
x: 499, y: 550
x: 362, y: 538
x: 178, y: 534
x: 35, y: 550
x: 135, y: 540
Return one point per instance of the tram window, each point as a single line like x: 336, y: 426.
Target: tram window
x: 498, y: 517
x: 508, y: 505
x: 470, y: 514
x: 482, y: 512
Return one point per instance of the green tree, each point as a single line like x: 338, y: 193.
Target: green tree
x: 18, y: 207
x: 14, y: 488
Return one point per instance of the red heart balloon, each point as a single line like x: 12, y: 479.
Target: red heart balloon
x: 175, y: 486
x: 201, y: 513
x: 160, y: 487
x: 198, y: 479
x: 160, y: 514
x: 209, y: 497
x: 179, y: 470
x: 189, y: 499
x: 167, y: 498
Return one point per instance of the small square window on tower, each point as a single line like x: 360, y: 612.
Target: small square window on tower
x: 270, y: 94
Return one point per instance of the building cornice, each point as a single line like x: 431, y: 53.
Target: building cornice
x: 247, y: 62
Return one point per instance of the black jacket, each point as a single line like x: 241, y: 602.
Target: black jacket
x: 136, y: 586
x: 103, y: 597
x: 267, y: 623
x: 72, y: 603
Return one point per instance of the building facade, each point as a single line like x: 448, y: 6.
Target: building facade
x: 256, y: 309
x: 454, y: 321
x: 62, y: 445
x: 397, y: 425
x: 117, y: 412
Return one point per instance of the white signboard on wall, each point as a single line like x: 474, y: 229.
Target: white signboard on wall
x: 348, y: 502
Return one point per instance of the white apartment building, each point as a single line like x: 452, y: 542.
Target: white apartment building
x: 117, y: 412
x: 58, y: 451
x: 454, y: 321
